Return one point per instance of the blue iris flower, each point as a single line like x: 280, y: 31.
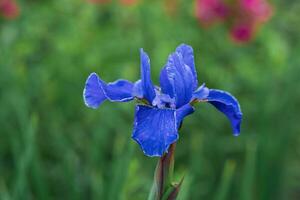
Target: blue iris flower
x: 161, y: 110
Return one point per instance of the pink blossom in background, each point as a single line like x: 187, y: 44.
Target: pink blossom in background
x: 251, y: 15
x: 211, y: 11
x: 258, y: 9
x: 243, y: 17
x: 9, y: 9
x: 241, y: 33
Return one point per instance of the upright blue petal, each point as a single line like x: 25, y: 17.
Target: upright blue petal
x: 147, y: 86
x: 166, y: 85
x: 120, y: 90
x: 137, y: 90
x: 176, y: 80
x: 93, y: 94
x: 154, y: 129
x: 228, y: 105
x: 187, y: 53
x: 182, y: 112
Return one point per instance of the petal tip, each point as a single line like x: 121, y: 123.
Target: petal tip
x: 93, y: 94
x: 146, y: 153
x: 154, y: 130
x: 184, y: 45
x: 236, y: 134
x: 229, y: 105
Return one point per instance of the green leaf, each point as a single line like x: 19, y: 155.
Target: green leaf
x: 226, y: 180
x: 172, y: 192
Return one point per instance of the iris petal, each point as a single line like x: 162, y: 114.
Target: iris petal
x: 182, y: 112
x: 93, y: 94
x: 96, y: 91
x: 187, y: 53
x: 201, y: 93
x: 165, y: 83
x: 228, y: 105
x: 120, y: 90
x: 137, y: 90
x: 154, y: 129
x: 147, y: 86
x: 163, y: 100
x: 176, y: 80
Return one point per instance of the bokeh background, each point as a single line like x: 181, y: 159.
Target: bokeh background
x: 53, y: 147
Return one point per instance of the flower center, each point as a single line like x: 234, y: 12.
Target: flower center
x: 162, y: 100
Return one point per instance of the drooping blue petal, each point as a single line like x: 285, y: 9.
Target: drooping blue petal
x: 201, y: 93
x: 120, y: 90
x: 176, y: 80
x: 147, y: 86
x: 96, y: 91
x: 187, y: 53
x: 154, y: 129
x: 93, y: 94
x: 228, y: 105
x: 182, y: 112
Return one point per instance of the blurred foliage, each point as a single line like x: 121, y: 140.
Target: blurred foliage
x: 53, y: 147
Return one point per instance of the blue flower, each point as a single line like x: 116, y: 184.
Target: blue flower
x: 161, y: 110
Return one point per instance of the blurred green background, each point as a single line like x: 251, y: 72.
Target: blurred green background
x: 53, y: 147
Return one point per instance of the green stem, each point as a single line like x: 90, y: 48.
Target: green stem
x: 163, y: 177
x: 165, y: 169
